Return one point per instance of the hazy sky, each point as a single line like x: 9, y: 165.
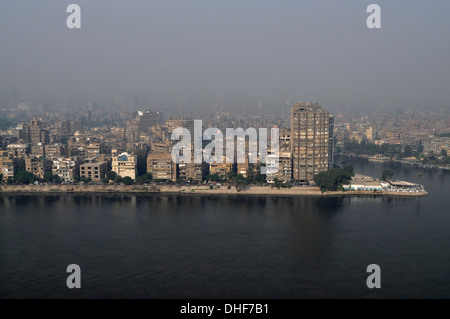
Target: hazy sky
x: 259, y: 49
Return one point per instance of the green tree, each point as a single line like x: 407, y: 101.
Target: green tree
x: 111, y: 175
x: 118, y: 179
x: 127, y: 180
x: 444, y: 153
x: 50, y: 178
x: 332, y: 179
x: 387, y: 175
x: 146, y: 178
x: 420, y: 148
x: 213, y: 177
x: 141, y: 162
x: 349, y: 169
x: 407, y: 151
x: 86, y: 180
x: 21, y: 165
x: 255, y: 175
x: 239, y: 181
x: 24, y: 177
x: 230, y: 176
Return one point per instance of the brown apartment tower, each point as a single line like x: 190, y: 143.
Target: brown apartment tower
x: 311, y: 140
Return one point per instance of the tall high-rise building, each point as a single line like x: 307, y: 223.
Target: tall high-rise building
x: 33, y: 132
x: 311, y: 140
x: 172, y: 124
x: 147, y: 119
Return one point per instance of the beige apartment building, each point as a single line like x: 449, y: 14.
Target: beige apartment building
x: 6, y: 167
x: 243, y: 168
x: 65, y: 169
x: 37, y: 150
x: 195, y: 171
x: 38, y: 166
x: 221, y: 169
x: 18, y: 149
x: 161, y: 167
x: 284, y: 173
x: 96, y: 171
x: 54, y: 151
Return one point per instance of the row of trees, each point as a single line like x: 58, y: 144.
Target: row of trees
x: 353, y: 147
x: 433, y: 158
x: 24, y: 177
x: 390, y: 150
x: 113, y: 177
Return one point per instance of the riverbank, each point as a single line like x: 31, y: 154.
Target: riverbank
x: 402, y: 162
x: 191, y: 190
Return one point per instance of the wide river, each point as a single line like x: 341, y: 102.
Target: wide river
x: 182, y: 246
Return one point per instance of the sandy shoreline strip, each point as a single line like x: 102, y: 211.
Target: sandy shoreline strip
x: 191, y: 189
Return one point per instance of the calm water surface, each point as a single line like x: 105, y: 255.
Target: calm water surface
x: 238, y: 247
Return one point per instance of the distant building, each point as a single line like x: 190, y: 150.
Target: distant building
x: 243, y: 168
x: 221, y: 169
x: 18, y: 150
x: 147, y: 119
x: 54, y: 151
x: 284, y: 173
x: 437, y: 144
x: 172, y: 124
x: 370, y: 134
x: 132, y: 133
x: 34, y: 133
x: 161, y: 167
x: 311, y: 140
x: 6, y: 167
x: 194, y: 171
x: 160, y: 148
x: 38, y: 150
x: 76, y: 126
x: 124, y: 165
x: 96, y: 171
x: 38, y: 166
x: 93, y: 149
x: 285, y: 140
x: 65, y: 169
x: 63, y: 127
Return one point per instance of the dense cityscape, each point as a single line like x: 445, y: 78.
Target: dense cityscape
x: 131, y: 144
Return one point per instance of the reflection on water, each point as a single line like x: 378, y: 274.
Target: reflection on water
x: 178, y: 246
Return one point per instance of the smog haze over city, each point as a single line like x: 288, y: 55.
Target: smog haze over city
x: 229, y: 54
x: 224, y: 149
